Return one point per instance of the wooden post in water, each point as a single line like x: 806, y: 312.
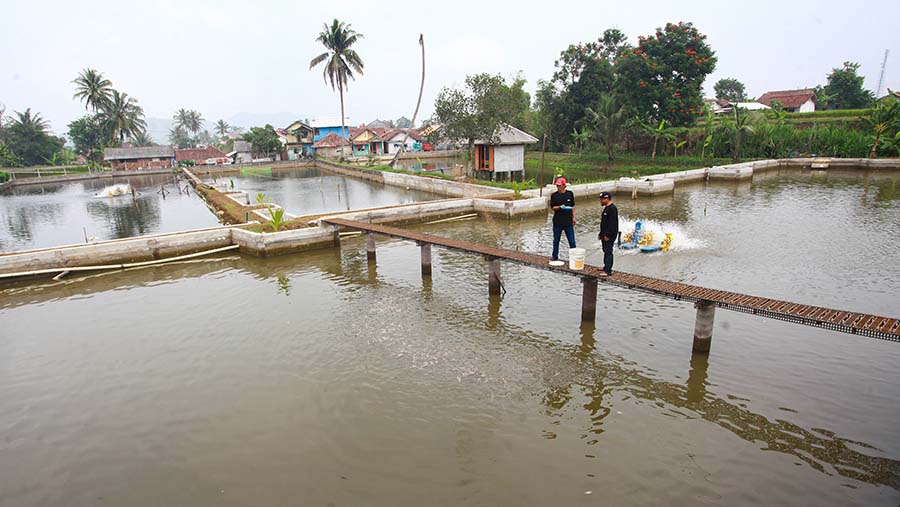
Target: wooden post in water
x: 493, y: 276
x: 336, y: 238
x: 426, y: 258
x: 703, y: 327
x: 370, y: 246
x: 589, y: 299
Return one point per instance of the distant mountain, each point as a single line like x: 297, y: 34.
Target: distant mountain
x: 158, y: 128
x: 277, y: 120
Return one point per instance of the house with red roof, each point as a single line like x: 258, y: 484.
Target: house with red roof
x: 331, y: 146
x: 792, y: 101
x: 202, y: 156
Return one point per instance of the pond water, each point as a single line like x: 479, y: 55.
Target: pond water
x: 322, y: 379
x: 37, y: 216
x: 308, y: 191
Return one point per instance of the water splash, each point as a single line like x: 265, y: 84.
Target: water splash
x: 116, y: 190
x: 681, y: 240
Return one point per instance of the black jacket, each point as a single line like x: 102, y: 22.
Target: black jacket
x: 609, y: 223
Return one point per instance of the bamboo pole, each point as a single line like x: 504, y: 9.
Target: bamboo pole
x: 451, y: 219
x: 118, y: 266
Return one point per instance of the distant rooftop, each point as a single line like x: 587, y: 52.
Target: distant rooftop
x: 138, y: 152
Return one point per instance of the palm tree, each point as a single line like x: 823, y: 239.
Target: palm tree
x: 181, y: 118
x: 736, y: 130
x: 142, y: 138
x: 93, y: 89
x: 342, y: 60
x: 609, y: 120
x: 195, y: 122
x: 31, y: 122
x: 123, y: 117
x: 222, y: 128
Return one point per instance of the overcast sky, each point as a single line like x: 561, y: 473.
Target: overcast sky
x: 227, y: 57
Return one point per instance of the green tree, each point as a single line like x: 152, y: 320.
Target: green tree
x: 179, y: 138
x: 92, y: 89
x: 609, y: 118
x: 476, y: 112
x: 7, y: 157
x: 662, y: 78
x: 123, y: 117
x: 28, y: 140
x: 265, y: 140
x: 730, y: 89
x: 342, y: 60
x: 88, y: 135
x: 403, y: 123
x: 579, y: 137
x: 846, y: 86
x: 883, y: 120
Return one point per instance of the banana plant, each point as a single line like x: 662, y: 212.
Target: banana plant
x: 519, y: 186
x: 276, y: 216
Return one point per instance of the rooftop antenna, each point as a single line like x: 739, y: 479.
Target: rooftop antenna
x: 881, y: 77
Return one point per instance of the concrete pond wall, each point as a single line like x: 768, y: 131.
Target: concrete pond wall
x: 473, y: 199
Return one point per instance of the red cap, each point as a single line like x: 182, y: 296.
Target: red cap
x: 560, y: 181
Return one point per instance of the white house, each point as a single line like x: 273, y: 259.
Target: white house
x: 504, y: 156
x: 394, y: 139
x: 792, y: 101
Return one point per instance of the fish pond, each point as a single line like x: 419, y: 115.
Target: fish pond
x: 325, y: 379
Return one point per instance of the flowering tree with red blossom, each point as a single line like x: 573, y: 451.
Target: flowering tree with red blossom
x: 662, y: 77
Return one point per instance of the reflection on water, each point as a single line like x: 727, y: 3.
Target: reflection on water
x: 329, y: 378
x: 38, y: 216
x: 305, y: 191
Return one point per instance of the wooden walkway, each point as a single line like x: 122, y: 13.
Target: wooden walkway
x: 873, y: 326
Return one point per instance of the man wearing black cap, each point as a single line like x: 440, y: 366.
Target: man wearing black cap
x: 562, y: 202
x: 609, y: 230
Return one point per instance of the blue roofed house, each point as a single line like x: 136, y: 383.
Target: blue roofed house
x: 325, y: 126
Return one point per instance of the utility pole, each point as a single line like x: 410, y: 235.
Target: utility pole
x: 881, y: 77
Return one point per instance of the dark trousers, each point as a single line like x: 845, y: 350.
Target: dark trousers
x: 557, y: 234
x: 608, y: 255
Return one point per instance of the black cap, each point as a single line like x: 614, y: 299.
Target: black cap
x: 605, y: 195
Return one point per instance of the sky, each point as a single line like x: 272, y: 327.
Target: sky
x: 226, y: 58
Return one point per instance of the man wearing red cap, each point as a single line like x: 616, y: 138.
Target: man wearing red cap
x: 562, y: 202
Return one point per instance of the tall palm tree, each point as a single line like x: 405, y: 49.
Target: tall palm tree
x: 181, y: 118
x: 123, y: 117
x: 342, y: 61
x: 222, y: 128
x: 609, y: 121
x: 195, y: 122
x: 93, y: 89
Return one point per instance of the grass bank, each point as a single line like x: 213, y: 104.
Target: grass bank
x: 593, y: 167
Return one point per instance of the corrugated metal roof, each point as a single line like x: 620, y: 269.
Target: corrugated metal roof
x: 138, y: 152
x: 510, y: 135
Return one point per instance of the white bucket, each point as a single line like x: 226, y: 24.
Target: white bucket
x: 576, y: 258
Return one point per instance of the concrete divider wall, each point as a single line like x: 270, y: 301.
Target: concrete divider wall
x: 120, y: 251
x: 44, y: 180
